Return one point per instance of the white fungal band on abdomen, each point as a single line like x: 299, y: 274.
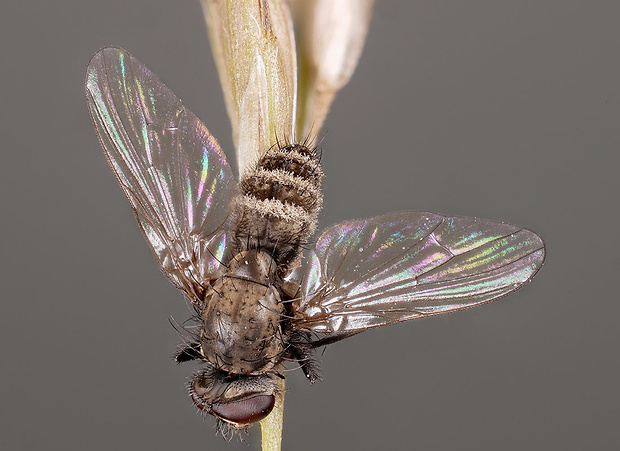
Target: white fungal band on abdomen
x: 280, y: 200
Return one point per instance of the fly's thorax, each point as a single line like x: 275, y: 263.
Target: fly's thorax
x: 279, y: 203
x: 242, y: 332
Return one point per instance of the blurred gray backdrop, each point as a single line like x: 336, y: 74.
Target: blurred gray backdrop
x: 498, y: 109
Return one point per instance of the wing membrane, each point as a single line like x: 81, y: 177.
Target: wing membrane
x: 404, y: 265
x: 168, y: 164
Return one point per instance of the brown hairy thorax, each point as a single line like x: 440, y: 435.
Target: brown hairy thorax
x: 278, y: 207
x: 241, y: 331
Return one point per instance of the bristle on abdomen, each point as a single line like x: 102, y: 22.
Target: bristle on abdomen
x: 279, y: 203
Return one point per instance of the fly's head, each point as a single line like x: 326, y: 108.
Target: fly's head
x: 237, y: 400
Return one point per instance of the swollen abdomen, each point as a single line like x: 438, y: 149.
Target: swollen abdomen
x: 280, y: 200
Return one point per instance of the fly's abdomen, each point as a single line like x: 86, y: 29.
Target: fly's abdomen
x: 279, y: 204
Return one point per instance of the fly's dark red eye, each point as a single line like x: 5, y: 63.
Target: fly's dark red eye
x: 245, y: 411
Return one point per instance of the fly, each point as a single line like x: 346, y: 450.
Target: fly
x: 235, y: 248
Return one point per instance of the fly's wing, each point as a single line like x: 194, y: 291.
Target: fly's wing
x: 405, y: 265
x: 169, y: 165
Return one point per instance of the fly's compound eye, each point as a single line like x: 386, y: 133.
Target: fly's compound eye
x: 244, y: 411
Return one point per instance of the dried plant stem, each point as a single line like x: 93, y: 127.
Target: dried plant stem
x: 271, y: 427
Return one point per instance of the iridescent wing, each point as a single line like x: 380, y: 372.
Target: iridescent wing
x: 169, y: 165
x: 405, y: 265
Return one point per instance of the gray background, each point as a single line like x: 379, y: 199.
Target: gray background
x: 499, y: 109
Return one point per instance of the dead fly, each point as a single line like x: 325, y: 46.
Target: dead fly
x: 235, y: 248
